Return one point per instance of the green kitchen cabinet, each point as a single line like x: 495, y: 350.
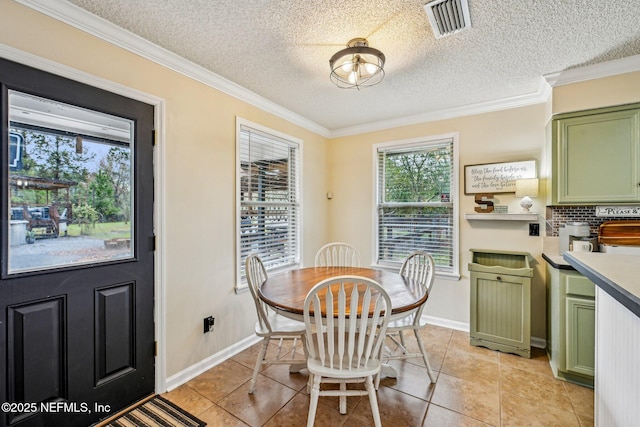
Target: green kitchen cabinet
x: 501, y: 301
x: 571, y: 325
x: 595, y: 156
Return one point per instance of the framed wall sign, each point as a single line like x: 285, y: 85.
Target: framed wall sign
x: 614, y: 211
x: 497, y: 177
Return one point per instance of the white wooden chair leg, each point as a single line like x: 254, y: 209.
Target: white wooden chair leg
x: 294, y: 368
x: 256, y: 370
x: 404, y: 345
x: 293, y: 348
x: 373, y: 402
x: 432, y: 377
x: 279, y: 348
x: 343, y: 398
x: 313, y: 400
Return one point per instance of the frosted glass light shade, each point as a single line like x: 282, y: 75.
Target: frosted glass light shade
x: 357, y: 66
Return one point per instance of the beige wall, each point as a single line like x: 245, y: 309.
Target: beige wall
x: 605, y: 92
x: 516, y: 134
x: 199, y: 172
x: 199, y: 157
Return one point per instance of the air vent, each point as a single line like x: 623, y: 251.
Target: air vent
x: 448, y: 17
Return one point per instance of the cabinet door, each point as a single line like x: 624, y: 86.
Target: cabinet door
x: 580, y: 346
x: 500, y: 312
x: 596, y: 157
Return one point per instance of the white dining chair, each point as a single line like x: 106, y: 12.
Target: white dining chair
x: 344, y: 346
x: 420, y: 268
x: 270, y: 325
x: 337, y: 254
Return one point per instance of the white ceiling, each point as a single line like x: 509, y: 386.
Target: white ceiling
x: 280, y: 49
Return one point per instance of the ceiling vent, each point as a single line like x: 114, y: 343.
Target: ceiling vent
x: 448, y: 17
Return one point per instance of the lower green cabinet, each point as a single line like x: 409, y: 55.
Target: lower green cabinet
x: 571, y: 325
x: 581, y: 319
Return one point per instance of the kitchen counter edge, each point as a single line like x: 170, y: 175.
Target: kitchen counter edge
x: 556, y: 261
x: 617, y: 275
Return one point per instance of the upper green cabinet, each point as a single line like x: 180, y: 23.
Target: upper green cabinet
x: 595, y: 156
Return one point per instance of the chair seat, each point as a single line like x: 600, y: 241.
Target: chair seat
x: 280, y: 325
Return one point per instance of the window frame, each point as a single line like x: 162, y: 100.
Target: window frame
x: 240, y: 282
x: 423, y: 141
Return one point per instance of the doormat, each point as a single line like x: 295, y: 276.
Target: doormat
x: 159, y: 412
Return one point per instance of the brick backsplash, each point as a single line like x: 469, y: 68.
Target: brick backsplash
x: 557, y: 215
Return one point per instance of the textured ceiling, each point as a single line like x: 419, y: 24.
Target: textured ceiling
x: 280, y: 49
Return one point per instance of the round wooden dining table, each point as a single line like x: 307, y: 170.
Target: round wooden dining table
x: 286, y: 291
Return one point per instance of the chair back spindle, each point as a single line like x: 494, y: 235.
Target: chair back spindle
x: 353, y: 334
x: 337, y: 254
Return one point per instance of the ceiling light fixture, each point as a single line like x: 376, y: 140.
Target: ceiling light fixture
x: 357, y: 66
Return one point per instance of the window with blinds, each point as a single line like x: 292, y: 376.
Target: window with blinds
x: 416, y: 185
x: 268, y: 195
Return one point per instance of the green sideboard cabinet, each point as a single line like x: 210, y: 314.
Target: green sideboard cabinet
x: 595, y: 156
x: 571, y: 325
x: 500, y: 285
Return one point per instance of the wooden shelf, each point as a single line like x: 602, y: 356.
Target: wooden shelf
x: 502, y: 217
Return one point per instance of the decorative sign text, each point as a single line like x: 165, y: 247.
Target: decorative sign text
x: 633, y: 211
x: 497, y: 177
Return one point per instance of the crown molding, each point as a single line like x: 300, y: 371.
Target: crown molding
x: 81, y: 19
x: 594, y: 71
x: 541, y: 95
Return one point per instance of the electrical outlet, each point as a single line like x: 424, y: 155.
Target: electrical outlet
x: 208, y: 324
x: 534, y: 229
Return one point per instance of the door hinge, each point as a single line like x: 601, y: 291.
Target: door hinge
x: 153, y: 137
x: 155, y: 348
x: 153, y: 243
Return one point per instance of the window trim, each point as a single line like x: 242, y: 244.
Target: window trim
x: 241, y: 285
x: 455, y: 199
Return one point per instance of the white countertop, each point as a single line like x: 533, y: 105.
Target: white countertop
x: 618, y: 275
x: 551, y: 253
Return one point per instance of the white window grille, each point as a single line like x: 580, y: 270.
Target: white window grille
x: 416, y: 203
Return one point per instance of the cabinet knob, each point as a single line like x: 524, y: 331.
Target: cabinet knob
x: 499, y: 278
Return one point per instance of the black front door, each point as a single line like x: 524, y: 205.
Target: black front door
x: 76, y: 285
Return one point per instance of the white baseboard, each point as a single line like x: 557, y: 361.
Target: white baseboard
x: 538, y: 342
x: 446, y: 323
x: 463, y: 326
x: 204, y: 365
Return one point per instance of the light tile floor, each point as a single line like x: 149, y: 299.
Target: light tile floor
x: 475, y: 387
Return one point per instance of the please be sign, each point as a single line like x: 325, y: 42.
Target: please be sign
x: 606, y: 211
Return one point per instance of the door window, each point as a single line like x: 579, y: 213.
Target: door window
x: 70, y: 185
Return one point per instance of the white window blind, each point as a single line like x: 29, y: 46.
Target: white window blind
x: 415, y: 203
x: 268, y: 199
